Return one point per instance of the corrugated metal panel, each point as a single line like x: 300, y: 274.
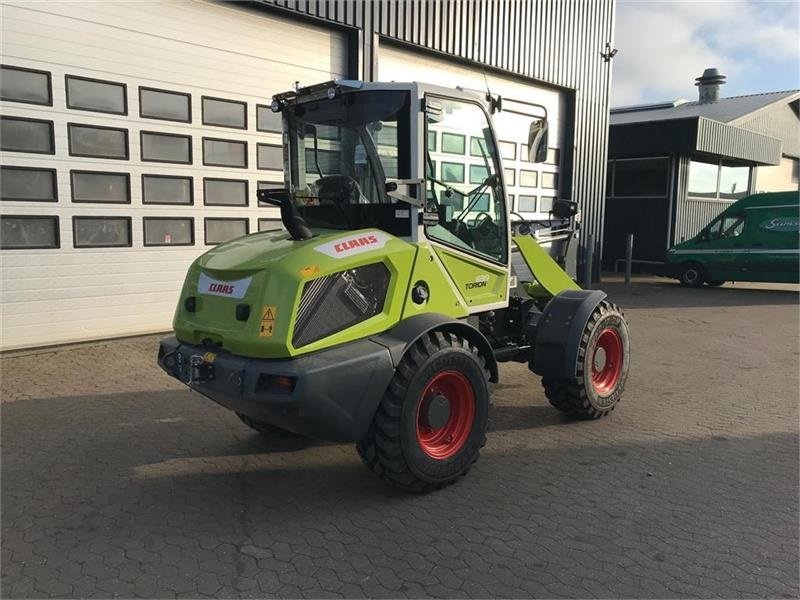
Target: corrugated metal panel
x: 718, y: 138
x: 696, y: 214
x: 553, y: 41
x: 779, y: 121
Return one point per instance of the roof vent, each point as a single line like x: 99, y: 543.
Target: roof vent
x: 709, y: 84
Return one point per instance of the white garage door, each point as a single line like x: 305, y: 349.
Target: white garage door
x: 531, y: 187
x: 134, y: 136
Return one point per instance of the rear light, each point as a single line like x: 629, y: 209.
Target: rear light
x: 335, y: 302
x: 284, y: 383
x: 190, y: 304
x: 270, y: 383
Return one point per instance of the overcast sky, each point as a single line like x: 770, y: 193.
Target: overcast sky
x: 664, y: 45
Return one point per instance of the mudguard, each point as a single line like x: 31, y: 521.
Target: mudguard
x: 399, y: 339
x: 559, y: 332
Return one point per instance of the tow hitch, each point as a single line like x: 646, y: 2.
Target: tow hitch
x: 200, y: 370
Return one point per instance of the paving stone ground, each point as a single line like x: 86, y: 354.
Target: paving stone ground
x: 118, y: 482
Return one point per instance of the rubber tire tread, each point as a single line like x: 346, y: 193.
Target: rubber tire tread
x: 569, y: 395
x: 381, y: 449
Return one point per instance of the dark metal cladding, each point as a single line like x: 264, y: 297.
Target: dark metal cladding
x: 558, y: 42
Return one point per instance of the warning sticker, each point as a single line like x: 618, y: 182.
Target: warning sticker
x: 268, y: 314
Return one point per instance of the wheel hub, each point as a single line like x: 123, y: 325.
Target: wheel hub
x: 445, y: 414
x: 436, y: 410
x: 607, y: 360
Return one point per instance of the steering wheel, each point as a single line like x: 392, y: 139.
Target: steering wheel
x: 482, y: 216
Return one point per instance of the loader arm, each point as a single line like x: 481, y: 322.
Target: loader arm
x: 552, y: 279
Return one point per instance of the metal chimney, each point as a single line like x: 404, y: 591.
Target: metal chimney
x: 709, y: 84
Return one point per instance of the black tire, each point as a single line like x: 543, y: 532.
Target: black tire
x: 265, y: 428
x: 594, y: 394
x: 394, y: 448
x: 692, y: 275
x: 714, y: 283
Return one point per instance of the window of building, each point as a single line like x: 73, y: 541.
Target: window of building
x: 476, y: 146
x: 101, y: 232
x: 31, y: 86
x: 510, y: 176
x: 477, y: 173
x: 18, y: 232
x: 641, y: 178
x: 268, y: 121
x: 527, y: 203
x: 508, y: 150
x: 168, y: 231
x: 481, y: 203
x: 28, y: 184
x: 550, y: 181
x: 97, y: 142
x: 167, y: 189
x: 453, y: 143
x: 166, y: 147
x: 528, y: 178
x: 224, y: 153
x: 703, y: 179
x: 224, y: 113
x: 432, y: 138
x: 553, y: 156
x: 26, y: 135
x: 165, y: 105
x: 734, y: 182
x: 269, y: 224
x: 96, y: 186
x: 452, y: 172
x: 269, y: 157
x: 221, y: 230
x: 225, y: 192
x: 546, y: 203
x: 96, y: 95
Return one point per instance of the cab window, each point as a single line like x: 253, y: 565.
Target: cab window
x: 729, y: 226
x: 465, y: 190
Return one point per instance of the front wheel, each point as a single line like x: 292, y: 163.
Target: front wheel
x: 602, y: 369
x: 431, y: 423
x: 691, y: 275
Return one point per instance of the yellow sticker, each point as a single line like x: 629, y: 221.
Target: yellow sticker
x: 268, y: 314
x: 309, y: 271
x: 209, y: 357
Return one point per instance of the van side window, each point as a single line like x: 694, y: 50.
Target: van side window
x: 732, y: 226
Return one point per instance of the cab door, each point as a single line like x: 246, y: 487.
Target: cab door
x: 724, y: 249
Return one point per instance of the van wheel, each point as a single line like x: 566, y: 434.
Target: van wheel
x: 431, y: 423
x: 691, y: 275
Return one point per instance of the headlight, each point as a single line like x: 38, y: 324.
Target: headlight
x: 335, y: 302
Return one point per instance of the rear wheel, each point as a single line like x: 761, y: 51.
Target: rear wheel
x: 602, y: 369
x: 265, y: 428
x: 431, y: 423
x: 691, y: 275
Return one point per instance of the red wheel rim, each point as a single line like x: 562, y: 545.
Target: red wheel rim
x: 606, y: 369
x: 443, y: 442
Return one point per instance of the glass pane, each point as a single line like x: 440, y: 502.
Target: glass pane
x: 546, y: 203
x: 27, y: 184
x: 85, y: 140
x: 527, y: 203
x: 101, y: 232
x: 221, y: 230
x: 481, y: 203
x: 100, y: 187
x: 477, y: 174
x: 386, y: 139
x: 158, y: 104
x: 732, y: 226
x: 452, y: 172
x: 510, y: 176
x: 266, y: 120
x: 22, y: 135
x: 24, y: 86
x: 432, y: 141
x: 644, y: 178
x: 224, y: 153
x: 101, y: 96
x: 28, y: 232
x: 226, y: 192
x: 453, y: 143
x: 225, y: 113
x: 330, y: 162
x: 550, y: 180
x: 508, y: 150
x: 702, y: 179
x: 166, y: 190
x: 528, y: 178
x: 477, y: 147
x: 269, y: 224
x: 553, y: 156
x: 733, y: 182
x: 270, y: 157
x: 167, y: 232
x: 166, y: 148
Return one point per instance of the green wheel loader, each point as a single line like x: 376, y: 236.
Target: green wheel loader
x: 379, y: 313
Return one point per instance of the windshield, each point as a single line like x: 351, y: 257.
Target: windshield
x: 342, y: 151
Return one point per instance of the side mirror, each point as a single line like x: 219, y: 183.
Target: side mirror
x: 564, y: 209
x: 537, y: 141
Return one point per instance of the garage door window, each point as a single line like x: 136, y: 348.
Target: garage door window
x: 224, y: 113
x: 165, y: 105
x: 96, y: 95
x: 224, y: 153
x: 18, y: 232
x: 546, y: 204
x: 97, y: 142
x: 95, y: 186
x: 25, y: 85
x: 528, y: 178
x: 527, y: 203
x: 222, y: 230
x: 225, y: 192
x: 550, y: 181
x: 270, y: 157
x: 453, y: 143
x: 165, y: 189
x: 165, y: 147
x: 269, y: 224
x: 477, y: 173
x: 26, y: 135
x: 452, y: 172
x: 28, y: 184
x: 268, y: 121
x: 510, y: 176
x: 101, y: 232
x: 168, y: 231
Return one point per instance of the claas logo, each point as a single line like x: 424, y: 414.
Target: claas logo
x: 346, y: 245
x: 221, y: 288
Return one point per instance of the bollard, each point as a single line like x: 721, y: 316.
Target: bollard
x: 588, y: 259
x: 628, y: 257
